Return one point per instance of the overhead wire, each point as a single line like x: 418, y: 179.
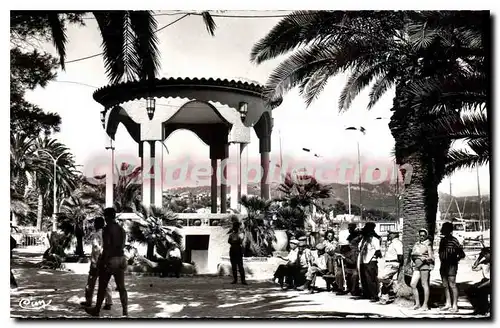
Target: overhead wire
x: 175, y: 21
x: 156, y: 31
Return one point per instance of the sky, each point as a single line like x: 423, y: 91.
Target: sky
x: 187, y: 50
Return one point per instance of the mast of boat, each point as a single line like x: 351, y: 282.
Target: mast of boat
x: 449, y: 205
x: 481, y: 212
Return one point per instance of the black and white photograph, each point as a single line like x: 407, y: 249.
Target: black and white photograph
x: 250, y: 164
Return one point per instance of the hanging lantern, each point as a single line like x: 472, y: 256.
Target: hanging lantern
x: 103, y: 118
x: 150, y: 107
x: 243, y: 109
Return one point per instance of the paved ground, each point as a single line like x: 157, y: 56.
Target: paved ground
x: 191, y: 297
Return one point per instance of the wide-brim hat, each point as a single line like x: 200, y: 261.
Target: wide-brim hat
x: 294, y: 241
x: 393, y: 232
x: 303, y: 238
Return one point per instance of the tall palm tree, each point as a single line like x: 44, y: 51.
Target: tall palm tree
x: 129, y: 41
x: 382, y: 50
x: 67, y: 175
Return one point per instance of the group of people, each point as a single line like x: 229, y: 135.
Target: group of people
x: 350, y: 265
x: 335, y: 260
x: 108, y: 259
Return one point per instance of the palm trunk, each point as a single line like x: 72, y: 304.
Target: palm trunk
x: 405, y: 126
x: 150, y: 251
x: 39, y: 213
x: 79, y: 241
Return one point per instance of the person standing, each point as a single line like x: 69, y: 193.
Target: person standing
x: 96, y: 239
x: 236, y: 253
x: 354, y: 234
x: 113, y: 262
x: 345, y: 259
x: 330, y: 247
x: 394, y: 260
x: 369, y: 253
x: 349, y: 254
x: 422, y: 257
x: 285, y: 270
x: 450, y: 253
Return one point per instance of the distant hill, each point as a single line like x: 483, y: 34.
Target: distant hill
x: 381, y: 197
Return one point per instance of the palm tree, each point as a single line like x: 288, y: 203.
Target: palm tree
x: 304, y: 191
x: 24, y: 162
x: 129, y: 41
x: 76, y: 219
x: 384, y: 50
x: 126, y: 191
x: 19, y: 207
x: 156, y: 229
x: 67, y: 175
x: 299, y: 196
x: 257, y: 226
x: 33, y: 170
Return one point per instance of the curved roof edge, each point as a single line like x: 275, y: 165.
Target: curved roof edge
x: 100, y: 94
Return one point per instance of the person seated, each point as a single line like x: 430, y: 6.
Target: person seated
x: 479, y: 293
x: 304, y: 260
x: 285, y: 270
x: 317, y: 268
x: 174, y: 260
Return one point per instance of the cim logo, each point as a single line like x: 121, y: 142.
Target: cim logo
x: 31, y: 304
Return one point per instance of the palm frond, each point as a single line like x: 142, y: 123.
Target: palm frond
x: 461, y: 159
x: 209, y: 22
x: 112, y: 33
x: 58, y: 36
x: 381, y: 86
x: 304, y: 63
x: 144, y: 25
x: 358, y: 80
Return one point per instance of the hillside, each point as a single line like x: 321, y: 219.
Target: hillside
x: 379, y: 197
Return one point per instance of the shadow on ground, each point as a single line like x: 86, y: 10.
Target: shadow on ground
x: 154, y: 297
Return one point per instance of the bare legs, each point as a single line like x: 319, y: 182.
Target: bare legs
x: 454, y: 293
x: 446, y: 286
x: 424, y: 277
x: 414, y: 281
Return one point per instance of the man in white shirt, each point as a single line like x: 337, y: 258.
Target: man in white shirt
x: 369, y: 253
x: 284, y: 270
x: 97, y: 242
x: 393, y: 263
x: 304, y: 260
x: 317, y: 268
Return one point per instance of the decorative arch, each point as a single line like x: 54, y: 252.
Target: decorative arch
x: 209, y: 106
x: 119, y: 115
x: 263, y: 129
